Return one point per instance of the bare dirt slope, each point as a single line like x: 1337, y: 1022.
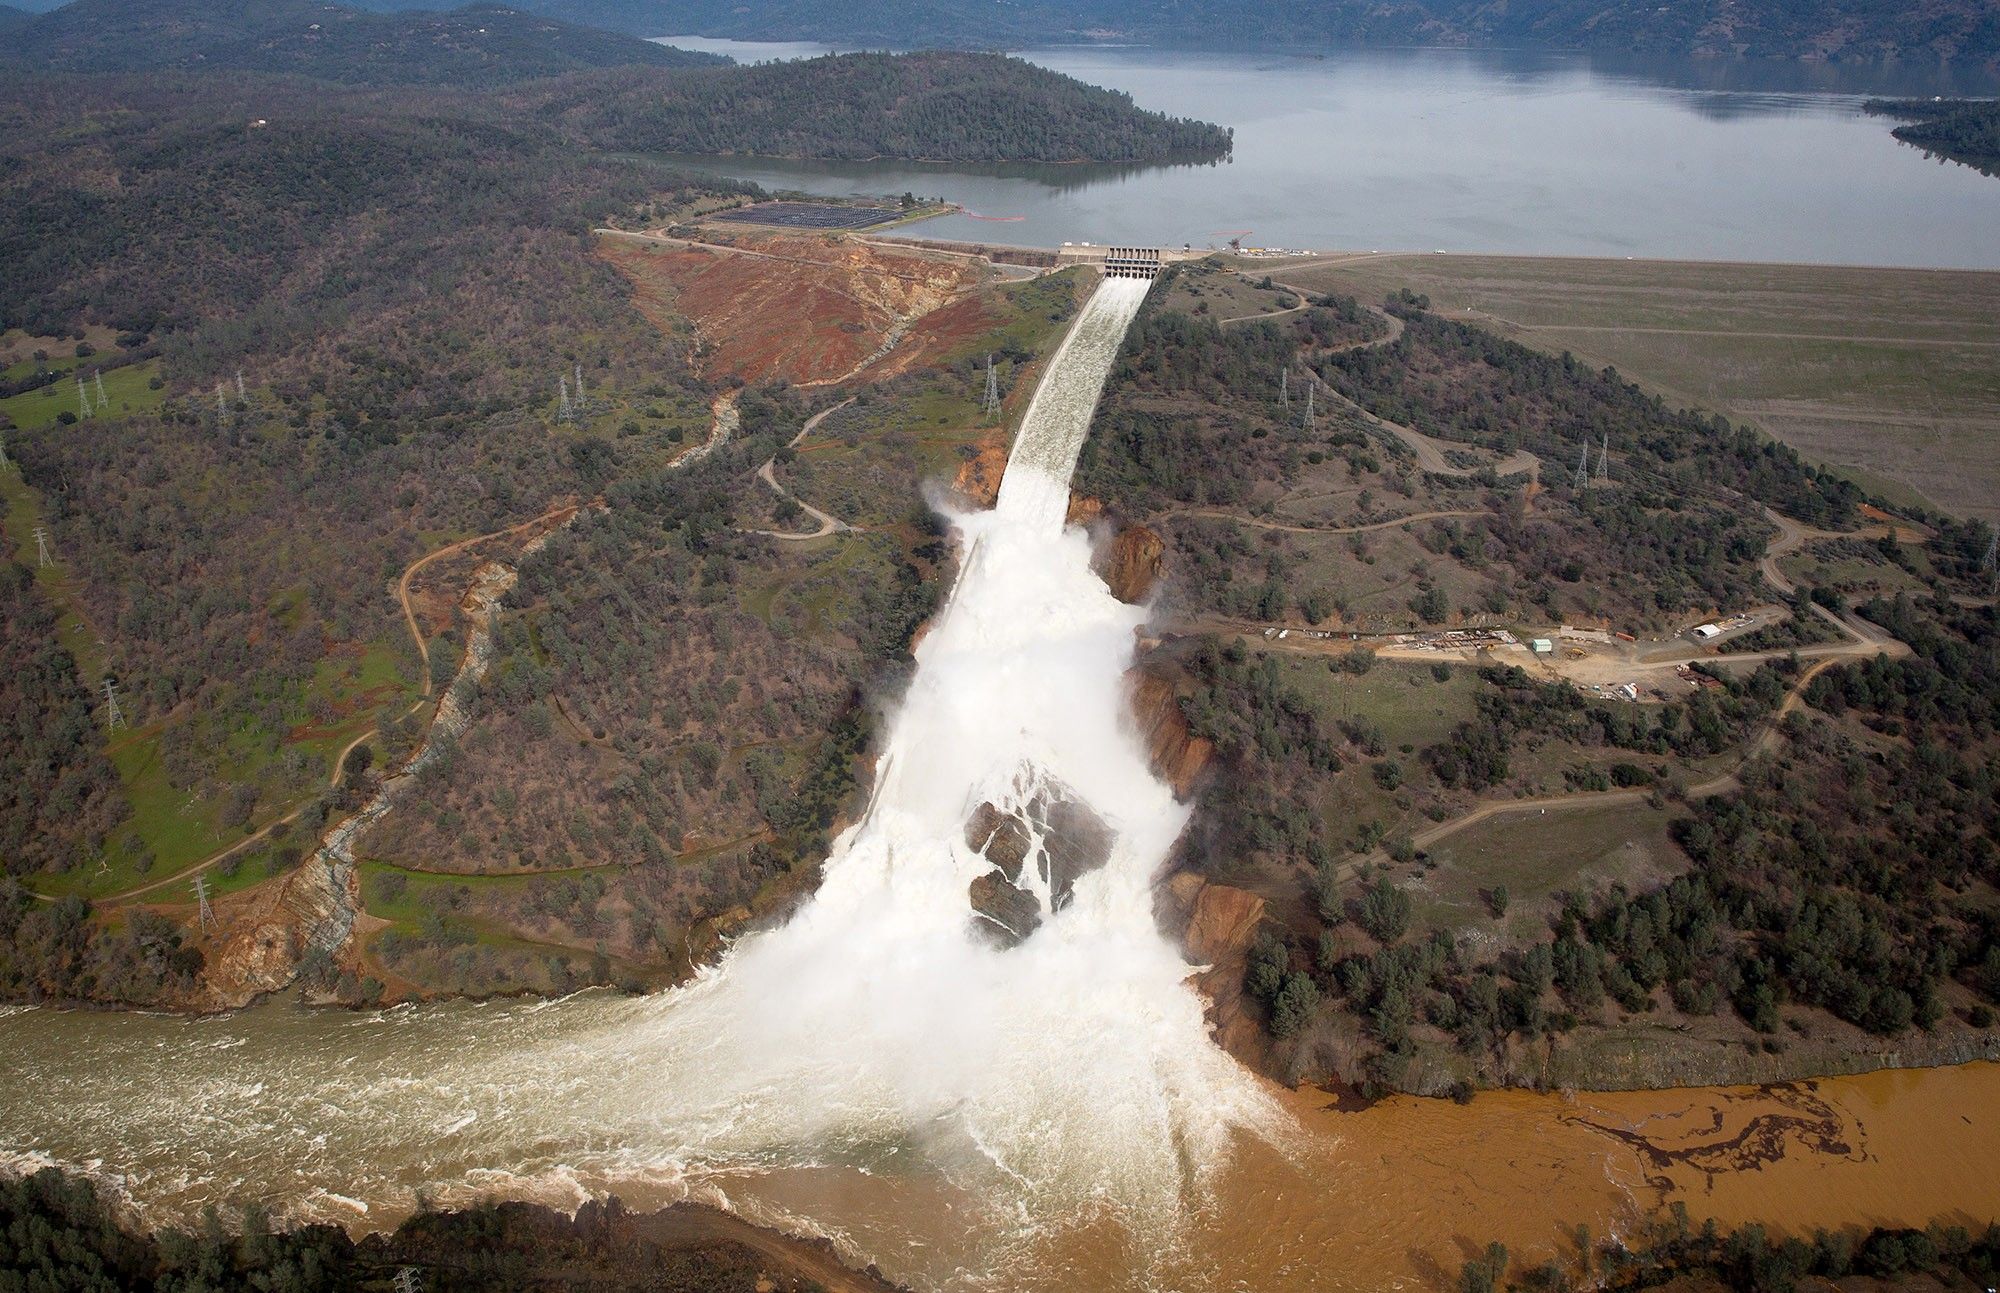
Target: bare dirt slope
x: 808, y: 310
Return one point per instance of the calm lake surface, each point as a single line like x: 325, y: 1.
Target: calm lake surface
x: 1477, y: 151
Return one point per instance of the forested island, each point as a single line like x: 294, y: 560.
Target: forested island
x: 1966, y: 131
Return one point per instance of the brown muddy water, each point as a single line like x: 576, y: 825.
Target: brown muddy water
x: 347, y: 1117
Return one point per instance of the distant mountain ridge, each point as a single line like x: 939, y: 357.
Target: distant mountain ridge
x: 479, y: 44
x: 1814, y: 29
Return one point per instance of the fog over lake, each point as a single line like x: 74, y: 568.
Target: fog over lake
x: 1478, y: 151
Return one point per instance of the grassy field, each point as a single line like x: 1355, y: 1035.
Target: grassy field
x: 1890, y: 374
x: 1407, y: 701
x: 128, y: 390
x: 1200, y: 291
x: 1535, y: 856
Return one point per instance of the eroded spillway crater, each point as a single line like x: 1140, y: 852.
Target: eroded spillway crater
x: 1037, y: 851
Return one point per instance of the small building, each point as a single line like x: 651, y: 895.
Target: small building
x: 1542, y: 646
x: 1703, y: 632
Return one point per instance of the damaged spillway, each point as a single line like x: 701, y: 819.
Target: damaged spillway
x: 1039, y: 1052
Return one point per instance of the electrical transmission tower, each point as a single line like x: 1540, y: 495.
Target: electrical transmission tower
x: 1991, y: 564
x: 1604, y: 460
x: 242, y: 392
x: 1310, y: 388
x: 207, y: 914
x: 1581, y: 480
x: 408, y: 1280
x: 117, y: 715
x: 82, y: 397
x: 991, y: 405
x: 1284, y: 388
x: 97, y: 379
x: 42, y: 557
x: 565, y: 411
x: 5, y: 461
x: 222, y: 401
x: 579, y: 383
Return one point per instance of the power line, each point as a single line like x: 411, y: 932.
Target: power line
x: 207, y: 913
x: 42, y: 555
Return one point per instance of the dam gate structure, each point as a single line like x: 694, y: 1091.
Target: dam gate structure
x: 1132, y: 262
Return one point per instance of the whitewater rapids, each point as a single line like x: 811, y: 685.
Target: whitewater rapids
x: 1060, y: 1081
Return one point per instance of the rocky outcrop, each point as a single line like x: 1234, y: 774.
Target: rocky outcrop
x: 1178, y: 756
x: 1130, y: 564
x: 1215, y: 925
x: 262, y: 943
x: 1084, y: 510
x: 1074, y: 842
x: 977, y: 484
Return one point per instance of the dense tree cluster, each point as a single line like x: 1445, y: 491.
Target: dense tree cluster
x: 1265, y: 733
x: 1965, y: 130
x: 1146, y: 455
x: 1949, y: 684
x: 1459, y: 382
x: 391, y: 278
x: 58, y: 800
x: 61, y: 1234
x: 341, y: 209
x: 1670, y: 1251
x: 51, y: 951
x: 1671, y: 537
x: 933, y: 106
x: 1708, y: 722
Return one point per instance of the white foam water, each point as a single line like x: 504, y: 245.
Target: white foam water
x: 1056, y: 1080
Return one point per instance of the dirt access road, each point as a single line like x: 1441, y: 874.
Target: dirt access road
x: 1429, y: 453
x: 768, y: 474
